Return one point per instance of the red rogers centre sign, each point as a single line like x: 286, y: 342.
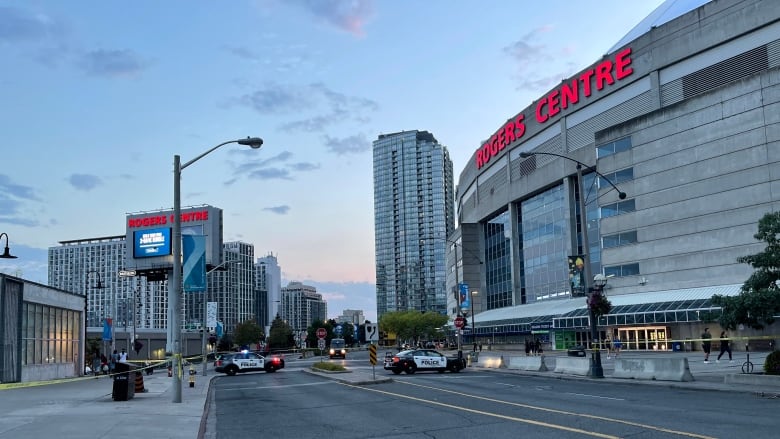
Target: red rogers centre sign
x: 158, y: 220
x: 605, y: 73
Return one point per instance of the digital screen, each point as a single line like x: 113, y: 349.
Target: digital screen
x: 152, y: 242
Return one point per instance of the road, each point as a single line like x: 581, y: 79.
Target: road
x: 291, y: 403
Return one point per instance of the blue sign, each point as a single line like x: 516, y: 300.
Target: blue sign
x: 465, y: 301
x: 151, y: 243
x: 194, y: 267
x: 338, y: 330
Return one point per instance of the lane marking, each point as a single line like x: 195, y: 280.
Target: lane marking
x: 280, y: 386
x: 563, y: 412
x: 494, y: 415
x: 594, y: 396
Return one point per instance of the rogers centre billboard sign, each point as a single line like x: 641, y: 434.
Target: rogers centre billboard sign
x: 569, y: 94
x: 149, y: 236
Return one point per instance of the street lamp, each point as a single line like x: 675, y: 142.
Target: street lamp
x: 473, y: 328
x: 174, y: 289
x: 7, y: 253
x: 99, y: 286
x: 596, y: 369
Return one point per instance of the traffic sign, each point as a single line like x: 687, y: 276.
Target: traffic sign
x: 372, y: 354
x: 126, y: 273
x: 321, y: 333
x: 459, y: 322
x: 321, y: 344
x: 371, y: 332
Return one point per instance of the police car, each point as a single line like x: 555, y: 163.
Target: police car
x: 413, y: 360
x: 245, y: 361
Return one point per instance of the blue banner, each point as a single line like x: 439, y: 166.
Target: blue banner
x: 465, y: 300
x: 194, y: 267
x: 107, y: 329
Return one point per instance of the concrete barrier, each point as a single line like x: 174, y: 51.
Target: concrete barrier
x: 661, y: 369
x: 752, y: 379
x: 491, y: 361
x: 527, y: 363
x: 572, y: 365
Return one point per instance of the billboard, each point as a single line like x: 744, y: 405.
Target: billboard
x: 152, y: 242
x: 157, y: 228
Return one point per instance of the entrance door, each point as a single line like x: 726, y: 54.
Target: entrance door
x: 644, y: 338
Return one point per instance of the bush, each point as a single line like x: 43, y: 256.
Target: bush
x: 772, y: 363
x: 333, y: 367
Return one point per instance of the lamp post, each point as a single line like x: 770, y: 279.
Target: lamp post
x: 596, y: 369
x: 7, y: 253
x: 473, y: 328
x: 99, y: 286
x: 175, y: 287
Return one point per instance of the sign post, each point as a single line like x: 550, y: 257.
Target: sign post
x: 321, y: 333
x: 372, y: 358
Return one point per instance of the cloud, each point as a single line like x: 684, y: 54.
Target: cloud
x: 270, y: 174
x: 7, y: 187
x: 350, y: 16
x: 272, y: 168
x: 348, y: 145
x: 528, y: 55
x: 281, y: 210
x: 18, y: 26
x: 332, y: 106
x: 84, y: 182
x: 112, y: 63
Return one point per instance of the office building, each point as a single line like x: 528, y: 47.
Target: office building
x: 268, y: 290
x: 302, y: 306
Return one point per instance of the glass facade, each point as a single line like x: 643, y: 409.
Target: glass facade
x: 49, y: 334
x: 498, y: 262
x: 413, y: 216
x: 546, y: 245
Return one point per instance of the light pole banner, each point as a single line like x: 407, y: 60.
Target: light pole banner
x: 194, y: 267
x: 465, y: 300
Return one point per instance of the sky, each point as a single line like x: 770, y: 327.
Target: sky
x: 96, y: 98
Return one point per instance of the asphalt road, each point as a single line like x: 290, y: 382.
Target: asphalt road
x: 475, y: 404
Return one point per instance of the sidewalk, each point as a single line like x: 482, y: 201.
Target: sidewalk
x: 84, y: 408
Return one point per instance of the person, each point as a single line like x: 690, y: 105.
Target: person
x: 706, y: 344
x: 112, y: 362
x: 480, y: 347
x: 538, y: 347
x: 475, y: 346
x: 104, y: 364
x: 608, y: 346
x: 527, y: 347
x: 123, y: 356
x: 96, y: 364
x: 617, y: 345
x: 724, y: 347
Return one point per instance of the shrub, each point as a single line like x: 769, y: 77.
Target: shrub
x: 333, y: 367
x: 772, y: 363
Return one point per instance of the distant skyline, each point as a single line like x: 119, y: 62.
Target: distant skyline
x: 99, y: 97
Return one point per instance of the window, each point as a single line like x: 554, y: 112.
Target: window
x: 618, y: 208
x: 622, y: 270
x: 617, y: 177
x: 615, y: 147
x: 619, y: 239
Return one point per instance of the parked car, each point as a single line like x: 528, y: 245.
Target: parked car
x: 240, y: 362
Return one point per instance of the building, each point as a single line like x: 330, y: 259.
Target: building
x: 41, y: 332
x: 301, y: 306
x: 268, y: 290
x: 682, y: 116
x: 354, y: 316
x: 413, y: 216
x: 91, y: 267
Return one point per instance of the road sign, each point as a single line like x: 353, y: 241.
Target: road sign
x: 126, y: 273
x: 459, y: 322
x: 372, y: 334
x: 372, y: 354
x: 321, y: 344
x: 321, y: 333
x: 338, y: 330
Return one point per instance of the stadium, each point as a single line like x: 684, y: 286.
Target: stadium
x: 670, y: 145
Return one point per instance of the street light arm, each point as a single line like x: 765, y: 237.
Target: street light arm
x: 254, y: 142
x: 621, y: 194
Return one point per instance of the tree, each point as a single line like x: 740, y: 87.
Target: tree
x: 412, y: 325
x: 759, y: 299
x: 281, y: 336
x: 248, y: 333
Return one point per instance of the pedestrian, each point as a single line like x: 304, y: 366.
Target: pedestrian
x: 112, y: 361
x: 96, y: 364
x: 608, y: 346
x: 475, y: 346
x: 617, y: 345
x: 706, y: 344
x: 527, y: 347
x: 538, y: 347
x: 724, y: 347
x: 123, y: 356
x: 104, y: 364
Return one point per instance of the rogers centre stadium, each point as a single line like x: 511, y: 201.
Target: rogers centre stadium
x: 671, y: 142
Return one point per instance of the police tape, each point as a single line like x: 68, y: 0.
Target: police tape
x: 87, y: 376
